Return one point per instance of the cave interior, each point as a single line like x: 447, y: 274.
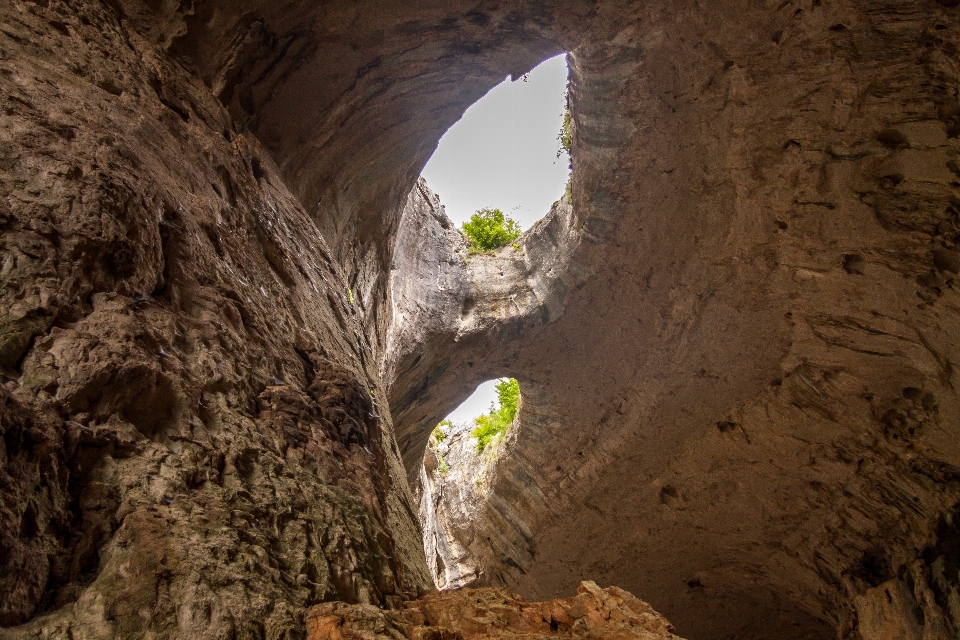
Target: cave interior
x: 233, y: 313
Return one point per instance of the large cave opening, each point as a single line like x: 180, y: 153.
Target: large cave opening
x: 723, y: 413
x: 506, y: 151
x: 509, y: 154
x: 510, y: 149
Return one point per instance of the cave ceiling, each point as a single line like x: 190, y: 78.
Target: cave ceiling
x: 735, y: 337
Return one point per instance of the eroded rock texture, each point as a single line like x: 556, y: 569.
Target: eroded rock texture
x: 495, y: 613
x: 193, y: 444
x: 454, y: 489
x: 746, y: 404
x: 736, y: 339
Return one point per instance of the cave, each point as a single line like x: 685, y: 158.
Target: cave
x: 232, y: 315
x: 509, y: 151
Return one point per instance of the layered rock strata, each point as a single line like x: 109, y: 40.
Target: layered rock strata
x: 495, y: 613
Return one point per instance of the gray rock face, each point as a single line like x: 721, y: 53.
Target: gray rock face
x: 736, y: 342
x: 463, y: 521
x: 750, y: 380
x: 455, y: 319
x: 452, y: 312
x: 451, y: 483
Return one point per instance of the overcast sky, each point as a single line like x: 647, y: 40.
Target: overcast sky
x: 503, y: 154
x: 477, y: 404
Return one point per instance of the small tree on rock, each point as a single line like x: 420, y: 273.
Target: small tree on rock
x: 490, y: 229
x: 499, y: 419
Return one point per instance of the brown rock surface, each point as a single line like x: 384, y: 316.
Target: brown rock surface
x: 192, y: 444
x: 737, y: 340
x: 468, y: 614
x: 747, y: 402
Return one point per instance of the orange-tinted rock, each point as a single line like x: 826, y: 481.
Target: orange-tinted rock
x: 467, y: 614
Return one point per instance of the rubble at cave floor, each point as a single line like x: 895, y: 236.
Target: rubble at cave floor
x: 466, y: 614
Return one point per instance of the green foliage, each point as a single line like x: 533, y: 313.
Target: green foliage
x: 508, y: 393
x: 443, y: 466
x: 565, y: 137
x: 499, y: 419
x: 489, y: 229
x: 438, y: 434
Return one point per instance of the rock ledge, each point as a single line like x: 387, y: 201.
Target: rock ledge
x: 610, y: 613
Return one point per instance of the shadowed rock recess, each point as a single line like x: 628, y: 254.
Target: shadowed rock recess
x: 231, y: 315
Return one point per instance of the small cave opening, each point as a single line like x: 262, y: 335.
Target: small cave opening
x: 510, y: 151
x: 462, y: 450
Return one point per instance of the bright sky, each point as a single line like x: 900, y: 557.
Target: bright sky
x: 477, y: 404
x: 503, y: 152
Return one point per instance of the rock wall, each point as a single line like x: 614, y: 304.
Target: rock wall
x: 452, y: 314
x: 194, y: 438
x: 736, y: 340
x: 744, y: 409
x: 453, y: 487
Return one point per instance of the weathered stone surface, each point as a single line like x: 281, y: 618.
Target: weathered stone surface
x: 736, y: 341
x: 192, y: 442
x: 445, y: 301
x: 495, y: 613
x: 747, y: 404
x: 453, y: 488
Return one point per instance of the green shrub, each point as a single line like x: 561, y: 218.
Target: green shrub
x: 564, y: 137
x: 438, y: 434
x: 499, y: 419
x: 489, y: 229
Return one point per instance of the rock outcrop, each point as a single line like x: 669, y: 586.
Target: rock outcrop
x: 194, y: 437
x: 736, y: 339
x: 453, y: 487
x: 495, y: 613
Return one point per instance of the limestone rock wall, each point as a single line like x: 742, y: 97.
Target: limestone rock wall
x: 745, y: 410
x: 351, y: 98
x: 453, y: 487
x: 194, y: 438
x: 736, y: 340
x: 455, y: 317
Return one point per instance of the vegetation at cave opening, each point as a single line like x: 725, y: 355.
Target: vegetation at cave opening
x: 438, y: 433
x: 565, y: 137
x: 498, y: 420
x: 490, y: 229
